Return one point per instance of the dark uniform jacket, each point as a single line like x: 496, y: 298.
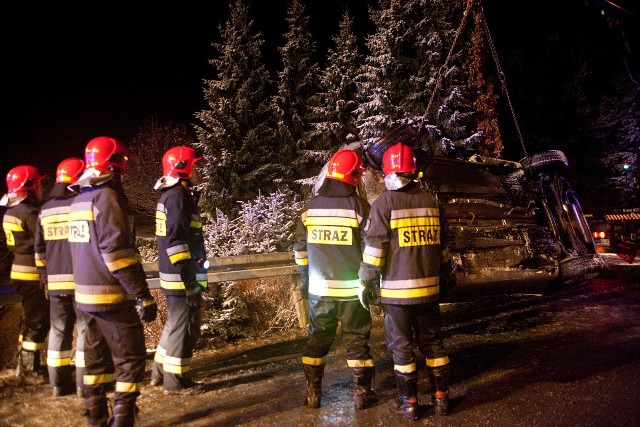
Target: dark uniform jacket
x: 19, y: 225
x: 181, y: 252
x: 106, y: 269
x: 329, y: 239
x: 51, y: 241
x: 6, y: 257
x: 403, y: 245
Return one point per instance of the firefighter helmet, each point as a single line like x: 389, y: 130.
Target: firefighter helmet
x: 399, y: 158
x: 23, y: 180
x: 178, y: 162
x: 107, y: 154
x: 69, y: 170
x: 345, y: 166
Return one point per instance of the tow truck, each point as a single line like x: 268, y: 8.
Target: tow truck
x: 618, y: 233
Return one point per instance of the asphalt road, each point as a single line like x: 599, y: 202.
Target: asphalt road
x: 570, y: 359
x: 567, y: 359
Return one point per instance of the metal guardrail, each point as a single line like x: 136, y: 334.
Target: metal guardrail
x: 221, y: 269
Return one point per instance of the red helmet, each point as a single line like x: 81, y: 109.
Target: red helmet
x: 399, y: 158
x: 345, y: 166
x: 23, y: 180
x: 178, y: 162
x: 69, y: 170
x: 107, y: 154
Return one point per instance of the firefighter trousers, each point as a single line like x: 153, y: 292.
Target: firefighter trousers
x: 172, y: 361
x: 404, y: 322
x: 35, y: 320
x: 114, y: 351
x: 355, y: 323
x: 64, y: 318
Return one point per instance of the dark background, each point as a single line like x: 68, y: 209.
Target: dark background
x: 76, y: 71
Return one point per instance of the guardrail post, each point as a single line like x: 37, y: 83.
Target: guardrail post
x: 302, y: 305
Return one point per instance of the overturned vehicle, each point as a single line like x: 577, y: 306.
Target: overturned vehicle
x: 508, y: 227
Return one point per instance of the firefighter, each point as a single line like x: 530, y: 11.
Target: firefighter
x: 109, y: 285
x: 53, y: 259
x: 403, y: 257
x: 182, y: 263
x: 328, y: 250
x: 23, y: 199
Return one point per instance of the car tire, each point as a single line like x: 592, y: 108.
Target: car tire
x: 546, y: 160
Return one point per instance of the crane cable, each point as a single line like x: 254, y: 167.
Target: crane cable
x: 444, y: 66
x: 501, y: 76
x: 494, y: 54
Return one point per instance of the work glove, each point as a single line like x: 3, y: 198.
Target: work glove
x: 369, y: 287
x: 368, y: 294
x: 147, y: 308
x: 304, y: 281
x: 194, y: 295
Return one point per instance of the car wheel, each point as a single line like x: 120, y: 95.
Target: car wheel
x: 546, y: 160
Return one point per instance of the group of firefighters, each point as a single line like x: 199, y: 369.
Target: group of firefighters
x: 75, y: 264
x: 352, y: 255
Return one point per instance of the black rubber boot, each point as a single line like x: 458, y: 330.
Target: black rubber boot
x: 125, y: 414
x: 28, y: 368
x: 363, y: 395
x: 313, y: 374
x: 406, y: 404
x: 440, y: 389
x: 97, y: 411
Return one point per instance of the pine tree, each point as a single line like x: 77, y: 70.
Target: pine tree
x: 236, y: 133
x: 297, y: 87
x: 405, y: 82
x: 338, y: 97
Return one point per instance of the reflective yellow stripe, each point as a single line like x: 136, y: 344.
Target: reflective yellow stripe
x: 368, y: 363
x: 17, y: 275
x: 10, y: 226
x: 372, y: 260
x: 409, y: 293
x: 31, y: 346
x: 56, y: 363
x: 128, y: 387
x: 41, y: 263
x: 331, y: 220
x: 58, y: 218
x: 413, y: 222
x: 164, y: 284
x: 98, y: 379
x: 176, y: 365
x: 334, y: 288
x: 315, y: 361
x: 173, y: 369
x: 81, y: 216
x: 121, y: 263
x: 179, y: 257
x: 440, y: 361
x: 101, y: 298
x: 61, y: 286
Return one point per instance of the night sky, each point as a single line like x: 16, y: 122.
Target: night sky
x: 71, y: 73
